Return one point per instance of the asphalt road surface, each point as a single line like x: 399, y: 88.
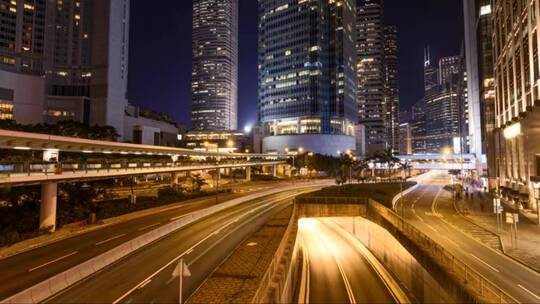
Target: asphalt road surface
x: 429, y: 207
x: 146, y: 275
x: 338, y: 271
x: 33, y: 266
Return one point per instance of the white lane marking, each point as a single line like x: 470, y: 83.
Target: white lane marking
x: 110, y: 239
x: 420, y: 218
x: 172, y: 219
x: 432, y: 228
x: 145, y: 283
x: 149, y: 226
x: 530, y: 292
x: 53, y: 261
x: 479, y: 259
x: 265, y: 203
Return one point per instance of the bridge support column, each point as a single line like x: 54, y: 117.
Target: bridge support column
x: 274, y: 170
x: 47, y: 211
x: 174, y: 178
x: 248, y: 174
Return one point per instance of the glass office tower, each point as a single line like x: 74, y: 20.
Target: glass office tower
x: 307, y: 75
x: 215, y: 65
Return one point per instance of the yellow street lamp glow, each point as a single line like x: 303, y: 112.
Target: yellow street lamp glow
x: 311, y: 153
x: 230, y: 143
x: 301, y: 149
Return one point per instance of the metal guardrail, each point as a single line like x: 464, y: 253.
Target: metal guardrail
x: 485, y: 289
x: 48, y: 168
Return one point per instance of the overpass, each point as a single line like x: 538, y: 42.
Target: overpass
x: 52, y: 171
x: 441, y: 161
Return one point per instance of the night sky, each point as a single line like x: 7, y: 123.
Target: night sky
x: 160, y: 51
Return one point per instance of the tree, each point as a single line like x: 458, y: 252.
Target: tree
x: 198, y: 182
x: 359, y: 166
x: 385, y: 157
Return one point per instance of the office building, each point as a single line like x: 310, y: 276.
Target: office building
x: 391, y: 52
x: 517, y: 110
x: 443, y: 105
x: 418, y: 127
x: 481, y: 84
x: 405, y: 139
x: 22, y: 43
x: 215, y: 65
x: 80, y: 49
x: 307, y: 75
x: 372, y: 105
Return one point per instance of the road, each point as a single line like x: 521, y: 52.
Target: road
x: 430, y: 209
x: 146, y: 275
x: 33, y: 266
x: 338, y: 271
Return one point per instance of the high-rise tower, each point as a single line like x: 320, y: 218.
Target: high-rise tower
x: 307, y: 76
x: 391, y: 62
x: 215, y: 65
x: 372, y: 106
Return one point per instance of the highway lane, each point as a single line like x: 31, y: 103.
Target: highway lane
x: 338, y: 270
x: 429, y: 208
x: 33, y: 266
x: 146, y: 275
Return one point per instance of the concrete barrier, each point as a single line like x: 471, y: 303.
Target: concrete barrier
x: 51, y: 286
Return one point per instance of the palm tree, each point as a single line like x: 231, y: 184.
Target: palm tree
x: 359, y: 166
x: 385, y: 157
x: 346, y: 162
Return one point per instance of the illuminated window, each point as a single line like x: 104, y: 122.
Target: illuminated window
x: 6, y: 110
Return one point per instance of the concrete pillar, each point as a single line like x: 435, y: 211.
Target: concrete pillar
x: 248, y: 174
x: 47, y: 211
x: 217, y: 178
x: 274, y: 170
x: 174, y: 178
x: 174, y: 158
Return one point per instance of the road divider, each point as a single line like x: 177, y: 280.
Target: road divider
x: 61, y: 281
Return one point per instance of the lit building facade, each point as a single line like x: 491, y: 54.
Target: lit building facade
x: 218, y: 141
x: 481, y: 83
x: 79, y: 48
x: 22, y: 42
x: 307, y: 75
x: 405, y: 139
x: 391, y: 60
x: 372, y: 106
x: 517, y: 109
x: 215, y: 65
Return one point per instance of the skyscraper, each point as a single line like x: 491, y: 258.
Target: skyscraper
x: 307, y: 75
x: 22, y: 42
x: 481, y: 82
x: 391, y: 63
x: 372, y: 106
x: 443, y: 105
x: 78, y: 51
x: 215, y: 65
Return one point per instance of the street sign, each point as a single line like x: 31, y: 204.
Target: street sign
x: 516, y: 217
x: 178, y: 270
x: 500, y: 209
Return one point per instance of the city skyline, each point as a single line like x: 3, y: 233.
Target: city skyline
x: 172, y: 90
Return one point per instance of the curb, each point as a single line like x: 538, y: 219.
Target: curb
x: 61, y: 281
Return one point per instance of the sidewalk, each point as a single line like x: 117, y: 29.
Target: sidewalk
x: 480, y: 211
